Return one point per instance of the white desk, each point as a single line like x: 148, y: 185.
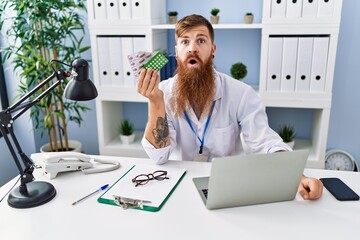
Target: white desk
x: 182, y: 217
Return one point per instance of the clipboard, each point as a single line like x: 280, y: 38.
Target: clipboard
x: 154, y: 194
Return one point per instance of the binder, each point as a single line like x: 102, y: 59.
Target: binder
x: 112, y: 9
x: 104, y: 60
x: 310, y: 8
x: 155, y: 193
x: 100, y: 9
x: 319, y: 64
x: 125, y: 9
x: 289, y: 64
x: 293, y: 8
x: 303, y: 69
x: 278, y: 9
x: 139, y: 44
x: 326, y: 8
x: 274, y: 64
x: 127, y: 47
x: 116, y: 64
x: 137, y: 9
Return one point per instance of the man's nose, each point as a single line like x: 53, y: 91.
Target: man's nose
x: 193, y: 48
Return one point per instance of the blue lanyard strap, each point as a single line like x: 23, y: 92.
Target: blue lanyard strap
x: 202, y: 140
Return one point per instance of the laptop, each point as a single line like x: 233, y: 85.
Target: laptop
x: 252, y: 179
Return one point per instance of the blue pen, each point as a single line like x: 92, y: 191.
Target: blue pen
x: 87, y: 196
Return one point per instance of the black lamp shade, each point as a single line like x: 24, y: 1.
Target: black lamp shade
x: 80, y: 88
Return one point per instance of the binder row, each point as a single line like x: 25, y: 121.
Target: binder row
x: 168, y: 70
x: 114, y: 67
x: 301, y: 8
x: 118, y: 9
x: 297, y: 64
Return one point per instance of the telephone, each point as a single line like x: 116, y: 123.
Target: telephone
x: 51, y: 163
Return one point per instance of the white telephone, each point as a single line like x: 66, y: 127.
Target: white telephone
x: 51, y: 163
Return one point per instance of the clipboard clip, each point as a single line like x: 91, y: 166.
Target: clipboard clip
x: 127, y: 203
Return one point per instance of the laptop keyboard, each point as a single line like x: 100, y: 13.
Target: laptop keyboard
x: 205, y: 191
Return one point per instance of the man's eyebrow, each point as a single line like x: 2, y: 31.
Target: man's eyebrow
x: 198, y: 35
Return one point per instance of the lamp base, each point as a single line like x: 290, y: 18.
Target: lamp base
x: 38, y: 193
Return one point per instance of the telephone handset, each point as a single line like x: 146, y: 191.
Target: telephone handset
x: 51, y: 163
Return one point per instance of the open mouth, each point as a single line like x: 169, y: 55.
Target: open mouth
x: 193, y: 62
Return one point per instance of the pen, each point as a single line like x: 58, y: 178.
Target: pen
x: 87, y: 196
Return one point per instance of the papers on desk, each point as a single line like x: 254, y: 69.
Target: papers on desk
x: 154, y: 193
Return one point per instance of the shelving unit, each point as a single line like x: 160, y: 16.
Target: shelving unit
x: 302, y: 22
x: 278, y: 21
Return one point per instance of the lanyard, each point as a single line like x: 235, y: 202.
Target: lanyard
x: 206, y: 126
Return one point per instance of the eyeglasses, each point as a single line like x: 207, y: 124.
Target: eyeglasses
x: 143, y: 179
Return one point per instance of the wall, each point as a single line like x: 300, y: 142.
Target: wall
x: 344, y: 132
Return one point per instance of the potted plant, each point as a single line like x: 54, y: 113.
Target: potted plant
x: 41, y: 31
x: 126, y: 131
x: 249, y: 18
x: 214, y: 18
x: 287, y: 133
x: 172, y: 17
x: 238, y: 71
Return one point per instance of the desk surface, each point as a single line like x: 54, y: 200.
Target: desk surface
x: 183, y: 216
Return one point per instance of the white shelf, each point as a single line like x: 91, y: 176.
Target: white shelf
x: 121, y: 94
x: 116, y: 148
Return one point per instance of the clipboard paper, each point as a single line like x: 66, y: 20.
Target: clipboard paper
x: 154, y: 194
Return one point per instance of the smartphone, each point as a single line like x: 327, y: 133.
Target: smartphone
x: 339, y: 189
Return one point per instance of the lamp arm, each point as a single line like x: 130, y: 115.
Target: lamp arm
x: 6, y: 122
x: 60, y: 75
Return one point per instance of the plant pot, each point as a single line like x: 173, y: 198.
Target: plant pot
x: 127, y: 139
x: 74, y: 146
x: 214, y: 19
x: 248, y: 19
x: 172, y: 19
x: 291, y: 144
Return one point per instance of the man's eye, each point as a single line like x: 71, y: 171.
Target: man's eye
x: 201, y: 41
x: 184, y: 41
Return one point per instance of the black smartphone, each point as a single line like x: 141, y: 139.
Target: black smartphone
x: 339, y: 189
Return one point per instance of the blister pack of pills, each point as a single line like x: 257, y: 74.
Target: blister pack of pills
x: 139, y: 60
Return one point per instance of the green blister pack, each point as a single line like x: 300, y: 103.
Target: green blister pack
x: 156, y: 62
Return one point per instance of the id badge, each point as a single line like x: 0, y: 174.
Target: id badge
x: 204, y: 157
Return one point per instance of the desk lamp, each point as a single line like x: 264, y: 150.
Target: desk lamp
x: 80, y: 88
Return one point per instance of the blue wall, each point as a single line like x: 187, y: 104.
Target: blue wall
x: 344, y: 131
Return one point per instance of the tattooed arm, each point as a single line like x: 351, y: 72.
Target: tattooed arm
x: 157, y: 129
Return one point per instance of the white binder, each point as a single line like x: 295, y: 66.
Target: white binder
x: 310, y: 8
x: 304, y: 59
x: 125, y: 9
x: 138, y: 9
x: 289, y: 64
x: 319, y: 64
x: 278, y: 9
x: 127, y: 47
x: 116, y: 61
x: 112, y: 9
x: 104, y: 60
x: 140, y: 44
x: 326, y: 8
x: 293, y: 8
x: 100, y: 9
x: 274, y: 64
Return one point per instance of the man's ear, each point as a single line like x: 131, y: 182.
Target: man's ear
x: 213, y: 50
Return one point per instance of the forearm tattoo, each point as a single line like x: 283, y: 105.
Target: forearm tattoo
x: 161, y: 132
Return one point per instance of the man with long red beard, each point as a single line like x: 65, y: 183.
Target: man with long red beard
x: 202, y: 112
